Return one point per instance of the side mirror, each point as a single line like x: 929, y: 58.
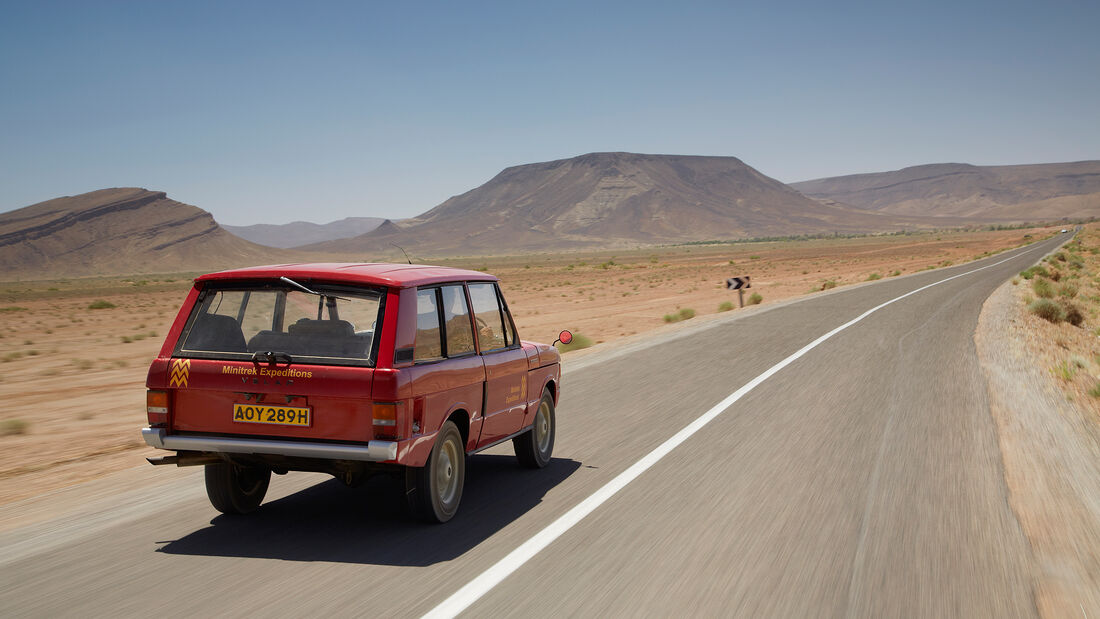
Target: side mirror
x: 564, y: 337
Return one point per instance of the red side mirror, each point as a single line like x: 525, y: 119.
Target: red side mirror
x: 565, y: 337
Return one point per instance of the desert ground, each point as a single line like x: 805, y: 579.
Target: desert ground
x: 74, y: 353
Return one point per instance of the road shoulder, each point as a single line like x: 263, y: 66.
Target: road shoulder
x: 1051, y: 451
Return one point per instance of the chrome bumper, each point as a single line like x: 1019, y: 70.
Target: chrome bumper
x: 374, y: 451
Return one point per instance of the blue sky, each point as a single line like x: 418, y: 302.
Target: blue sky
x: 274, y: 112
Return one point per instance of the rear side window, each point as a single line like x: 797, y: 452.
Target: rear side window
x: 443, y: 325
x: 460, y: 333
x: 494, y: 324
x: 429, y: 342
x: 336, y: 325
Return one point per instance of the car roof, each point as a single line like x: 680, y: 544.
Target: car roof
x: 376, y: 273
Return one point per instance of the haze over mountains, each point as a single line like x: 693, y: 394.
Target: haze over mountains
x: 305, y: 233
x: 1031, y: 192
x: 595, y: 200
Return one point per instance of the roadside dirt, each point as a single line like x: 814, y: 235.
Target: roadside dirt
x: 1050, y: 446
x: 72, y: 378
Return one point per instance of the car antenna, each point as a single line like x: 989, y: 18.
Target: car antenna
x: 402, y: 251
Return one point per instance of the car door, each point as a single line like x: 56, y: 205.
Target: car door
x: 505, y: 364
x: 447, y: 372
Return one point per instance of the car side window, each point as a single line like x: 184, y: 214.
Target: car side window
x: 456, y: 322
x: 493, y: 330
x: 429, y: 343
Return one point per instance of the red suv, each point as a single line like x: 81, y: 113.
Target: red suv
x: 352, y: 370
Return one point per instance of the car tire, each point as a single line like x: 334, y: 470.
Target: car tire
x: 236, y: 489
x: 435, y: 489
x: 534, y: 448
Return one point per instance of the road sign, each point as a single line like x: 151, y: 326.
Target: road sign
x: 737, y: 283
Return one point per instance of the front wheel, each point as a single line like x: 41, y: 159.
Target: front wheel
x: 533, y: 448
x: 236, y: 489
x: 435, y: 489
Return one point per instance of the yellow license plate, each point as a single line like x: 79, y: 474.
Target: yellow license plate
x: 277, y: 415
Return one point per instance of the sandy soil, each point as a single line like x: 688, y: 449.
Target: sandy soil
x: 73, y: 377
x: 1050, y: 446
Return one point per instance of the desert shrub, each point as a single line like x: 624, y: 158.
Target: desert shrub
x: 101, y: 304
x: 827, y: 284
x: 11, y: 308
x: 10, y: 427
x: 1042, y: 288
x: 873, y: 276
x: 1033, y: 271
x: 1055, y: 275
x: 1065, y: 371
x: 725, y: 306
x: 1074, y: 315
x: 671, y: 318
x: 1095, y: 391
x: 579, y: 341
x: 895, y: 273
x: 1076, y: 263
x: 1047, y: 310
x: 1067, y: 290
x: 687, y: 313
x: 755, y: 299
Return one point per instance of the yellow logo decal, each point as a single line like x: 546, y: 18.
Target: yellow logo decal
x: 179, y: 370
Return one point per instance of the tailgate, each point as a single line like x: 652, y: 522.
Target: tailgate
x: 298, y: 401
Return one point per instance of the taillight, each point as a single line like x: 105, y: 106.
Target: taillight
x: 156, y: 407
x: 385, y: 419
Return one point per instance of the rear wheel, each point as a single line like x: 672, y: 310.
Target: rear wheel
x: 236, y: 489
x: 534, y: 448
x: 435, y: 489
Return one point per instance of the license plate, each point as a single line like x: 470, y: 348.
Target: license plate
x: 276, y: 415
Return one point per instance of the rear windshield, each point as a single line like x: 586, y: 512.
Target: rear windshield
x: 337, y: 325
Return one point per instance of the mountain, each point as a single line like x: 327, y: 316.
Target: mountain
x: 616, y: 199
x: 1046, y: 191
x: 303, y: 232
x: 118, y: 231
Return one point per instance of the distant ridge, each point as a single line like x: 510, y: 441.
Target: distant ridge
x: 616, y: 199
x: 117, y: 231
x: 303, y: 232
x: 1047, y: 191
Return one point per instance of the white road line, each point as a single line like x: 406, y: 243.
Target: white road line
x: 491, y: 577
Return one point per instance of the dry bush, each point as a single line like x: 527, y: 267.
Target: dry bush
x: 1073, y: 314
x: 1047, y: 310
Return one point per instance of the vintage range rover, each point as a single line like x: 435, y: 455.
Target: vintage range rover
x: 348, y: 369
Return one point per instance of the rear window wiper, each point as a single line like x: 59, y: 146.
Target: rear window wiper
x: 308, y: 291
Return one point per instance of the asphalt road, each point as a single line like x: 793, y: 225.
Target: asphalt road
x: 864, y: 479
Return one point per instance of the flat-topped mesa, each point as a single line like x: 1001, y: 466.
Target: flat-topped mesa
x: 615, y: 199
x: 1037, y: 192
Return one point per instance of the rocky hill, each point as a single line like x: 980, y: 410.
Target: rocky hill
x: 303, y: 232
x: 118, y: 231
x: 1020, y: 192
x: 616, y: 199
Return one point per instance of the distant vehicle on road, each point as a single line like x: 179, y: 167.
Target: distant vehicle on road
x: 351, y: 370
x: 1064, y: 230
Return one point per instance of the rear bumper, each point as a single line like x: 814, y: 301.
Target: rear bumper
x: 373, y: 451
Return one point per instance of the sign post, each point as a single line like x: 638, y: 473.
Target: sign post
x: 739, y: 284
